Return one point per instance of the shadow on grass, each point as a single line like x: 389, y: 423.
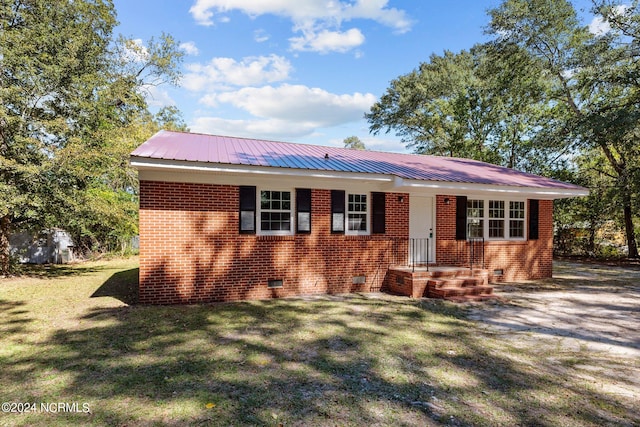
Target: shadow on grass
x: 13, y: 319
x: 352, y: 360
x: 52, y: 271
x: 122, y: 285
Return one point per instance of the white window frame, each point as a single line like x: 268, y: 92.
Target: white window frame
x: 475, y: 218
x: 499, y: 219
x: 506, y: 219
x: 523, y: 220
x: 348, y: 212
x: 259, y: 211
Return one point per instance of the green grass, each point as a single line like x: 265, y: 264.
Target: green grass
x: 70, y: 335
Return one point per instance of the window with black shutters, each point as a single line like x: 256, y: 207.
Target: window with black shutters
x: 275, y: 212
x: 493, y: 219
x: 357, y: 208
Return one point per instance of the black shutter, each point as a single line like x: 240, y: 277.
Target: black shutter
x: 337, y: 211
x: 247, y: 210
x: 303, y: 210
x: 461, y: 218
x: 378, y: 213
x: 534, y: 216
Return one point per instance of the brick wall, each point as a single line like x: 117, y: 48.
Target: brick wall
x: 191, y: 250
x: 519, y: 260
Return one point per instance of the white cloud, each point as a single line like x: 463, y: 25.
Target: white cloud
x: 319, y: 21
x: 377, y: 10
x: 599, y: 26
x: 286, y: 111
x: 252, y: 128
x: 261, y: 36
x: 190, y: 48
x: 135, y: 50
x: 328, y: 41
x: 157, y: 97
x: 300, y: 104
x: 204, y: 10
x: 224, y: 72
x: 387, y: 145
x: 210, y: 100
x: 384, y: 144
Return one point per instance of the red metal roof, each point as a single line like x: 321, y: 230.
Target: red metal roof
x: 191, y: 147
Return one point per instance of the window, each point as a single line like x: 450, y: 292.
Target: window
x: 516, y: 220
x: 501, y: 219
x: 275, y: 212
x: 350, y: 213
x: 357, y: 213
x: 496, y: 219
x: 475, y: 221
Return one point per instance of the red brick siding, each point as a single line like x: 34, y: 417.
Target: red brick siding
x: 519, y: 260
x: 191, y: 250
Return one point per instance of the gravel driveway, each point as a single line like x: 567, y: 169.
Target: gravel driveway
x: 590, y: 312
x: 583, y: 307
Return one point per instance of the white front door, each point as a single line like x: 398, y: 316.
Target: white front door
x: 421, y: 228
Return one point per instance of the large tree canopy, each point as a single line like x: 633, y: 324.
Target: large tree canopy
x: 66, y: 88
x: 594, y: 83
x: 483, y: 103
x: 544, y: 95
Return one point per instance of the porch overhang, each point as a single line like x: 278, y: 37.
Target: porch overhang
x: 471, y: 189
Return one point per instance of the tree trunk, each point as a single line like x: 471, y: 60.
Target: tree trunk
x: 591, y: 245
x: 5, y: 254
x: 628, y: 226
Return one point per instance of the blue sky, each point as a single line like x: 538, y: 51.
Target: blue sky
x: 298, y: 70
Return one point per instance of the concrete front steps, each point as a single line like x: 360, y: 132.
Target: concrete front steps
x: 451, y: 283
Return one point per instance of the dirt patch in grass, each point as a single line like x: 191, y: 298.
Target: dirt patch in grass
x: 370, y: 359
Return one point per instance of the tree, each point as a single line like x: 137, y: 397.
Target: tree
x: 430, y: 108
x: 104, y: 215
x: 544, y: 93
x: 66, y: 86
x: 589, y: 213
x: 483, y: 103
x: 354, y: 142
x: 594, y: 89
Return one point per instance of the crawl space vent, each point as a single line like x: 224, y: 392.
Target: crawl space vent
x: 275, y: 283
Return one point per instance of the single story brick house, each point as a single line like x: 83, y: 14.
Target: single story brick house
x: 225, y: 218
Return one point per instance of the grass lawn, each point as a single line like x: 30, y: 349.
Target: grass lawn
x: 67, y: 334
